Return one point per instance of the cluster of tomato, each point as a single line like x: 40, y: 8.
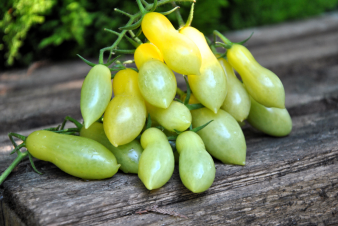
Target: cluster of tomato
x: 219, y: 96
x: 204, y: 123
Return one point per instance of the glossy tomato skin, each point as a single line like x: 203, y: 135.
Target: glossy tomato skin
x: 272, y: 121
x: 223, y: 138
x: 179, y: 52
x: 157, y: 83
x: 145, y: 52
x: 262, y: 84
x: 237, y: 102
x: 196, y: 166
x: 127, y: 155
x: 126, y: 113
x: 96, y: 93
x: 210, y: 87
x: 176, y: 117
x: 77, y: 156
x: 157, y: 162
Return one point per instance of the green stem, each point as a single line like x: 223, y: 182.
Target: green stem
x: 113, y: 60
x: 16, y: 161
x: 201, y: 127
x: 86, y: 61
x: 149, y: 122
x: 178, y: 16
x: 76, y: 123
x: 123, y: 12
x: 194, y: 106
x: 117, y: 41
x: 124, y: 51
x: 141, y: 7
x: 21, y: 137
x: 135, y: 38
x: 223, y: 38
x: 170, y: 11
x: 187, y: 98
x: 145, y: 3
x: 154, y: 6
x: 191, y: 15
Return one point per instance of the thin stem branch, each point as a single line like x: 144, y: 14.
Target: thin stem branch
x: 178, y: 16
x: 141, y: 7
x: 191, y: 15
x: 224, y: 39
x: 16, y: 161
x: 134, y: 37
x: 123, y: 12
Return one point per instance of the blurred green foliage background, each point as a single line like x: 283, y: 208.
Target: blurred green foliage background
x: 33, y: 30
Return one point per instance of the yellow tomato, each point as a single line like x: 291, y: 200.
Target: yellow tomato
x: 126, y: 113
x: 179, y: 52
x: 262, y: 84
x: 210, y: 88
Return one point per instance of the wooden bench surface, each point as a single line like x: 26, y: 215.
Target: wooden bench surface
x: 290, y: 180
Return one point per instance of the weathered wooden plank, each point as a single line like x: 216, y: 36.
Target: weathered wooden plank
x: 311, y: 145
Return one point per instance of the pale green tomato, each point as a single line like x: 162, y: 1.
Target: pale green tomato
x: 124, y: 119
x: 262, y: 84
x: 77, y: 156
x: 237, y: 102
x: 127, y: 155
x: 126, y: 113
x: 157, y: 83
x: 223, y: 138
x: 196, y: 166
x: 210, y: 87
x: 176, y: 116
x: 96, y: 93
x: 273, y: 121
x: 157, y: 163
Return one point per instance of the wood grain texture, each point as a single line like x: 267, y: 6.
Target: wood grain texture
x: 286, y: 181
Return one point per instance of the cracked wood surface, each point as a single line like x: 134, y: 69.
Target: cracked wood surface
x: 290, y: 180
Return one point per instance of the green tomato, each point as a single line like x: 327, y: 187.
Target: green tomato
x: 262, y: 84
x: 127, y: 155
x: 176, y: 116
x: 237, y: 102
x: 273, y: 121
x: 157, y: 162
x: 223, y: 138
x: 126, y: 113
x: 124, y: 119
x: 210, y: 87
x: 96, y: 93
x: 196, y: 166
x: 77, y: 156
x: 157, y: 83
